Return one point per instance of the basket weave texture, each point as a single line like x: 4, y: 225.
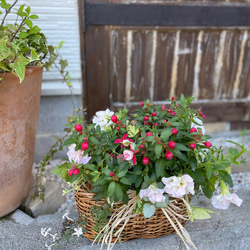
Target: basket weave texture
x: 137, y: 227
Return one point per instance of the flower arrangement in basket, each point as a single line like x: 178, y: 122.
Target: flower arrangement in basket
x: 134, y: 176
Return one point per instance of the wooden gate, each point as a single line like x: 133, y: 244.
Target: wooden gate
x: 135, y: 49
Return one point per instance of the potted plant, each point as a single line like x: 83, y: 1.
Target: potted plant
x: 23, y: 54
x: 131, y: 173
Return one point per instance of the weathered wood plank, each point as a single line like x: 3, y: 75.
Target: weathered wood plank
x: 163, y: 64
x: 143, y: 43
x: 244, y: 81
x: 231, y: 64
x: 97, y: 70
x: 118, y: 64
x: 209, y: 49
x: 187, y: 56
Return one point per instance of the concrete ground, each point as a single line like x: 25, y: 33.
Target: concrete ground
x: 228, y: 230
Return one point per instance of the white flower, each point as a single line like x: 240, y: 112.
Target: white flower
x: 198, y: 127
x: 45, y: 231
x: 103, y: 118
x: 178, y: 186
x: 77, y: 156
x: 78, y: 231
x: 128, y: 155
x: 65, y: 216
x: 223, y: 201
x: 153, y: 193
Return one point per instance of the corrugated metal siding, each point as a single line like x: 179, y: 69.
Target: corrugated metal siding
x: 58, y: 20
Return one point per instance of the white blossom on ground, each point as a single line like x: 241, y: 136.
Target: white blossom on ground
x: 45, y: 231
x: 103, y: 118
x: 77, y: 157
x: 178, y: 186
x: 223, y: 200
x: 153, y: 193
x: 65, y: 216
x: 78, y: 231
x: 198, y: 127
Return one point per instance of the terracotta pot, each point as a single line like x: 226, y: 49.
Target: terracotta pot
x: 19, y: 109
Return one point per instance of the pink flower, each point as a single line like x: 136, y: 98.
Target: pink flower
x: 223, y: 200
x: 178, y: 186
x: 153, y: 193
x: 125, y: 142
x: 73, y: 171
x: 77, y: 156
x: 128, y: 155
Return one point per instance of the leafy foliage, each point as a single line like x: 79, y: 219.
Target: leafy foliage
x: 148, y: 137
x: 22, y: 44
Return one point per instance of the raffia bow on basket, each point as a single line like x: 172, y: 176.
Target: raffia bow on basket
x: 125, y: 225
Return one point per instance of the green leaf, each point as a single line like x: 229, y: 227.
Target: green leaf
x: 181, y: 147
x: 233, y: 152
x: 125, y: 181
x: 209, y: 170
x: 23, y: 35
x: 106, y: 171
x: 160, y: 168
x: 90, y: 167
x: 29, y: 23
x: 148, y: 210
x: 147, y: 179
x: 33, y: 16
x: 201, y: 213
x: 182, y: 100
x: 193, y: 163
x: 158, y: 149
x: 94, y: 140
x: 122, y: 173
x: 28, y: 10
x: 20, y: 67
x: 69, y: 141
x: 118, y: 191
x: 111, y: 188
x: 180, y: 155
x: 161, y: 204
x: 34, y: 56
x: 226, y: 177
x: 165, y: 134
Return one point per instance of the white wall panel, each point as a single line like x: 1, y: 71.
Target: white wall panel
x: 58, y: 20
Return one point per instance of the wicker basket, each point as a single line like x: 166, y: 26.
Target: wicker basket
x: 137, y: 227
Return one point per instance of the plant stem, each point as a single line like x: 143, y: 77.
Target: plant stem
x: 13, y: 36
x: 6, y: 13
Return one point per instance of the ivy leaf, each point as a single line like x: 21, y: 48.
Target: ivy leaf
x: 29, y: 23
x: 33, y: 17
x: 148, y: 210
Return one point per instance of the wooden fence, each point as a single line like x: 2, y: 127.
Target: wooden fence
x: 133, y: 50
